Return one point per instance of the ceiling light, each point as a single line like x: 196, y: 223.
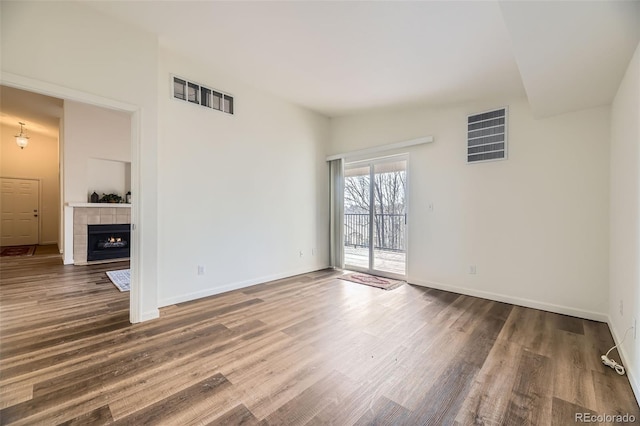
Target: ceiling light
x: 22, y: 139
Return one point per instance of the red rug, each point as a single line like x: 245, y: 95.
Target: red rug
x: 372, y: 280
x: 18, y: 251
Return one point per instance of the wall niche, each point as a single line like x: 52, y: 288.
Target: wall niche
x: 108, y: 177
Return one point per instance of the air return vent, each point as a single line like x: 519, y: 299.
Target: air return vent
x: 487, y: 136
x: 196, y: 93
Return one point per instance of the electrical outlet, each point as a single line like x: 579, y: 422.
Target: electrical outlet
x: 472, y: 269
x: 431, y: 207
x: 313, y: 252
x: 201, y: 269
x: 301, y: 253
x: 621, y: 308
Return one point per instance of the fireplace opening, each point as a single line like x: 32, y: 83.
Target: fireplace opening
x: 108, y: 241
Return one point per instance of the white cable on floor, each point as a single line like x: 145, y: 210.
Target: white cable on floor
x: 611, y: 362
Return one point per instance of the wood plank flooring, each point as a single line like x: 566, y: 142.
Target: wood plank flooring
x: 306, y: 350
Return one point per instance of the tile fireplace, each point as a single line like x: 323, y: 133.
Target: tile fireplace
x: 78, y: 218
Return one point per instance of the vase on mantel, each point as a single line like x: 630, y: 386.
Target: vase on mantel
x: 94, y: 197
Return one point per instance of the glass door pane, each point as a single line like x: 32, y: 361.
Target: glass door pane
x: 357, y: 214
x: 375, y: 216
x: 389, y: 205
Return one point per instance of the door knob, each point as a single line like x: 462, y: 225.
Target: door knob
x: 35, y: 215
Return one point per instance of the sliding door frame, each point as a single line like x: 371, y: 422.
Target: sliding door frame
x: 371, y: 163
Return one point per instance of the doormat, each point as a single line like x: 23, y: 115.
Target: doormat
x: 371, y: 280
x: 121, y: 279
x: 18, y: 251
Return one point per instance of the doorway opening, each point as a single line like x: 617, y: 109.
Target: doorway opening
x: 29, y: 87
x: 375, y: 216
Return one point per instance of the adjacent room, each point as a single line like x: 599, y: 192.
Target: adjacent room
x: 320, y: 212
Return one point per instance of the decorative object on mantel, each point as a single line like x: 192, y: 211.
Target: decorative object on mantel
x: 22, y: 139
x: 110, y: 198
x: 95, y: 197
x: 128, y: 198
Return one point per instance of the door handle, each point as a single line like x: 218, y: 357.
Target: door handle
x: 35, y: 215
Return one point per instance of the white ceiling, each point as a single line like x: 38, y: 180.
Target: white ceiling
x: 41, y: 114
x: 342, y: 58
x: 572, y: 55
x: 347, y: 57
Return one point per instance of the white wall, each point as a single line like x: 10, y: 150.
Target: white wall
x: 535, y: 225
x: 240, y: 194
x: 70, y: 47
x: 39, y: 160
x: 107, y: 176
x: 97, y: 144
x: 624, y: 277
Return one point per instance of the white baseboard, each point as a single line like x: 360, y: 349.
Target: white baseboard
x: 528, y: 303
x: 625, y: 361
x: 149, y: 315
x: 234, y: 286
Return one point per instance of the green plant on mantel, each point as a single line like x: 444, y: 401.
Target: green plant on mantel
x: 110, y: 198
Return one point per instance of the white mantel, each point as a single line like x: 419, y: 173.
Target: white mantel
x: 98, y: 205
x: 77, y: 217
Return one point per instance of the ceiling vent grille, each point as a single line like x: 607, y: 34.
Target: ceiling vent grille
x: 487, y: 136
x: 196, y: 93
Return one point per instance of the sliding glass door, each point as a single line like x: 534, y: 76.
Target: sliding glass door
x: 375, y: 216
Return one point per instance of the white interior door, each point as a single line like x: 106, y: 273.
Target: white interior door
x: 375, y: 216
x: 19, y: 213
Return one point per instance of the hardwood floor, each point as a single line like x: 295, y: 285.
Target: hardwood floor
x: 310, y: 349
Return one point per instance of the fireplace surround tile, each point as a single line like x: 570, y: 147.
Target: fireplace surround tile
x: 107, y: 219
x: 123, y: 218
x: 93, y: 218
x: 79, y: 218
x: 85, y: 214
x: 79, y: 240
x: 80, y: 230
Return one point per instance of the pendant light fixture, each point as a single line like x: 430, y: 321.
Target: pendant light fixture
x: 22, y: 139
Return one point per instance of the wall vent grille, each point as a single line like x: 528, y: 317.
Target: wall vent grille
x: 196, y: 93
x: 487, y: 136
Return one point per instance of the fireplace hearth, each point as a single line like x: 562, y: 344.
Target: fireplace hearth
x: 108, y: 241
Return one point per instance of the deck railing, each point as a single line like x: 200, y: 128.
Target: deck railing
x: 388, y: 229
